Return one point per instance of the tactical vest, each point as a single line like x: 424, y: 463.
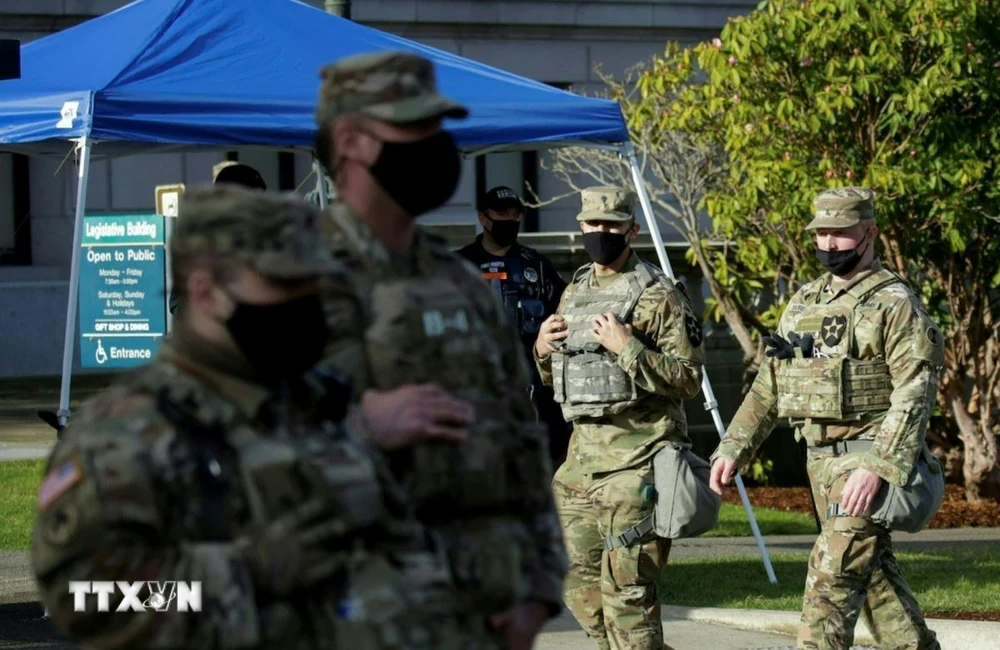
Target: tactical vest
x: 437, y: 323
x: 271, y: 472
x: 518, y: 287
x: 430, y: 328
x: 586, y: 378
x: 834, y: 384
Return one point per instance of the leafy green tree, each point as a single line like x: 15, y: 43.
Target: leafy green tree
x: 899, y: 95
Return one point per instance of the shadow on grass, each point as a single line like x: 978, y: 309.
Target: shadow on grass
x: 953, y: 580
x: 29, y: 394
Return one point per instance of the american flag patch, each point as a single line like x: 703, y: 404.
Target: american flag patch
x: 57, y: 482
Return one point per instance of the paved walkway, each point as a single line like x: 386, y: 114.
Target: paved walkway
x: 22, y: 627
x: 925, y: 540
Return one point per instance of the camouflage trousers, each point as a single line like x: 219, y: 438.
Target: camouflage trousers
x: 852, y: 572
x: 612, y: 594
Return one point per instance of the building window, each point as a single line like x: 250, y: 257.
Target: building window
x: 516, y: 170
x: 15, y: 211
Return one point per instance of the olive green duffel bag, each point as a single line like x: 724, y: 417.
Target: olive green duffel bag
x: 685, y: 505
x: 910, y: 508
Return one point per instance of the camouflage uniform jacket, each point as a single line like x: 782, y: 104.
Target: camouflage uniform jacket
x: 158, y: 490
x: 664, y: 358
x: 890, y: 325
x: 425, y: 315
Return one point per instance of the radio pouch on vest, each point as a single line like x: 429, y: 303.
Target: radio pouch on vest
x: 910, y: 508
x: 685, y: 504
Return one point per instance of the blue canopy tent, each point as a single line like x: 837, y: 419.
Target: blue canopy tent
x: 169, y: 75
x: 175, y: 73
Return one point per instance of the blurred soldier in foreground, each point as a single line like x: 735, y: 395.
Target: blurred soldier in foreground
x: 854, y: 368
x: 623, y: 352
x: 408, y: 310
x: 222, y: 462
x: 529, y: 287
x: 228, y: 172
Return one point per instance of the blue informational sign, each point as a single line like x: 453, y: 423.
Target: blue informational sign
x: 122, y: 288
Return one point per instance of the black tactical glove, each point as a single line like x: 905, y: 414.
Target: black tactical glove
x: 804, y: 343
x: 777, y: 347
x: 295, y: 551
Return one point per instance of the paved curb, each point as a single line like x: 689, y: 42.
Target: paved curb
x: 17, y: 582
x: 929, y: 539
x: 951, y: 634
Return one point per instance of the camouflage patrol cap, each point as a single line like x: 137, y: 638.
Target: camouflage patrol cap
x: 276, y: 235
x: 607, y: 204
x: 396, y: 87
x: 842, y: 207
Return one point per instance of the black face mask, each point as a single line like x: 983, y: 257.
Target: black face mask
x: 282, y: 340
x: 840, y: 263
x: 604, y: 247
x: 421, y: 175
x: 504, y: 233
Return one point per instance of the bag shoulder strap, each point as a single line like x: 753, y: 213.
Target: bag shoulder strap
x: 872, y: 285
x: 581, y: 274
x: 630, y: 536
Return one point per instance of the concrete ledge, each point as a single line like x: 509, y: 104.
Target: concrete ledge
x: 17, y: 582
x: 951, y: 634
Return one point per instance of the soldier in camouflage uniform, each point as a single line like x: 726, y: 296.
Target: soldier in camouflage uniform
x: 228, y: 171
x: 622, y: 353
x: 854, y: 368
x: 408, y: 309
x: 221, y: 462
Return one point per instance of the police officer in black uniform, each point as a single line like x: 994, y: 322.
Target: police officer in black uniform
x: 529, y: 287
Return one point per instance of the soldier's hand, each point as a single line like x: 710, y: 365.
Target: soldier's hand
x: 610, y: 333
x: 294, y: 551
x: 553, y: 330
x: 777, y: 347
x: 723, y: 470
x: 521, y: 624
x: 415, y: 412
x: 859, y: 492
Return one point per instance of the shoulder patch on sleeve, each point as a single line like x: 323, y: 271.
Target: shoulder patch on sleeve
x: 58, y: 481
x: 693, y: 329
x: 676, y: 292
x: 930, y: 345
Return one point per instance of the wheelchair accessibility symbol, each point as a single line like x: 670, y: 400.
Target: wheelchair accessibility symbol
x: 100, y: 355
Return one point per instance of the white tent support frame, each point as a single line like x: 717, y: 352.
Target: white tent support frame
x: 625, y: 149
x: 711, y: 404
x: 83, y: 147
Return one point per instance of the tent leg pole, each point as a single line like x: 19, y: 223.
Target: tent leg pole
x: 320, y: 183
x: 74, y: 279
x: 711, y: 404
x: 647, y: 209
x: 168, y: 270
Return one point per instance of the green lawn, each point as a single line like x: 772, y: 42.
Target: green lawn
x: 733, y: 522
x: 953, y: 580
x: 20, y: 480
x: 956, y: 580
x: 18, y: 497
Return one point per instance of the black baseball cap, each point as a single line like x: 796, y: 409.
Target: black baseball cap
x: 500, y: 199
x: 240, y: 174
